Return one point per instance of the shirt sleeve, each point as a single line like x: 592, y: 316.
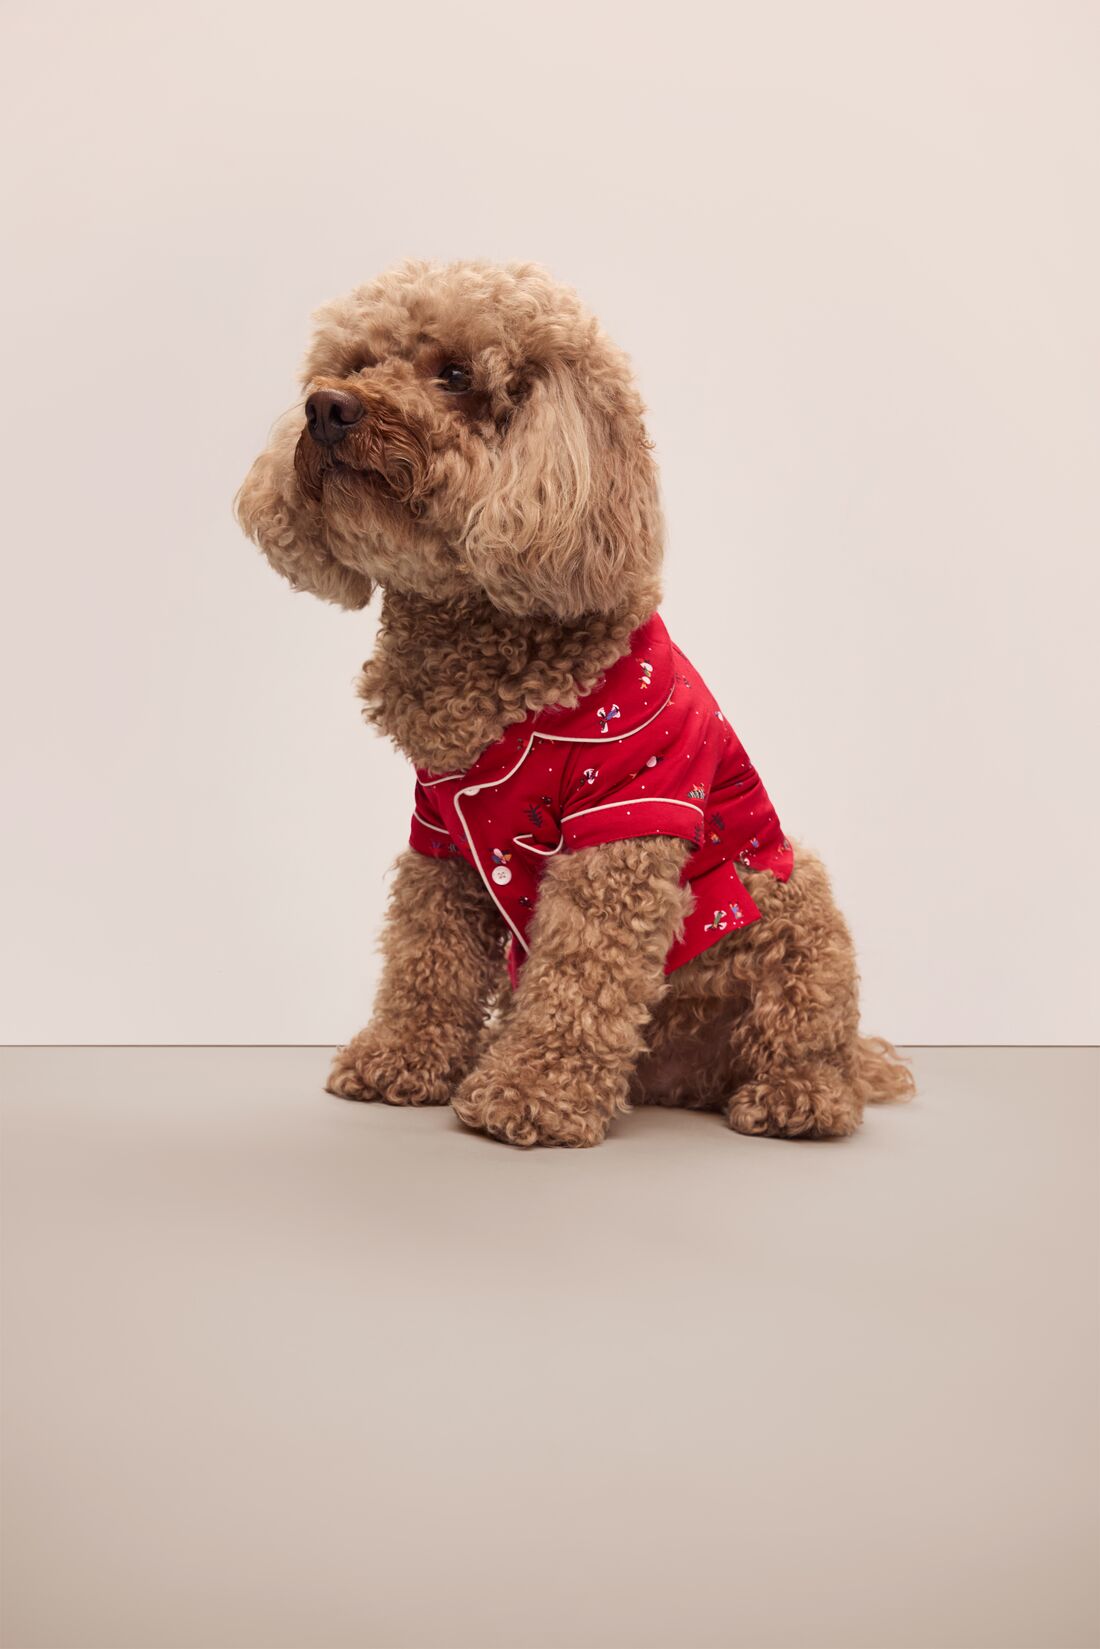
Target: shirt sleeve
x: 427, y: 834
x: 654, y: 785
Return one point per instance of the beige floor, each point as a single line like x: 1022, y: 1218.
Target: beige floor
x: 287, y: 1373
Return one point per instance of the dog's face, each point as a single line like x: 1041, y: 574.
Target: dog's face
x: 466, y: 428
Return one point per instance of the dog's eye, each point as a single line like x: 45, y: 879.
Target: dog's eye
x: 454, y: 378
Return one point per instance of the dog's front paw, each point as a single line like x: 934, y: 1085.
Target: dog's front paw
x: 399, y: 1069
x: 532, y: 1105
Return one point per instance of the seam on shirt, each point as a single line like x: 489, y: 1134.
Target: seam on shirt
x: 637, y: 801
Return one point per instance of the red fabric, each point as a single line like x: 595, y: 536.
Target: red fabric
x: 647, y: 753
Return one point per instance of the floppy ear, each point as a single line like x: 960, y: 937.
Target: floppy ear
x: 572, y: 520
x: 277, y: 516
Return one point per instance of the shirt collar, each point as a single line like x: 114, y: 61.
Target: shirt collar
x: 630, y: 693
x: 627, y: 695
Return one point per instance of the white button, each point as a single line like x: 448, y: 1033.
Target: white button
x: 502, y: 875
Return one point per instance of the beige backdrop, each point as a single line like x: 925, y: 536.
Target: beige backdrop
x: 853, y: 250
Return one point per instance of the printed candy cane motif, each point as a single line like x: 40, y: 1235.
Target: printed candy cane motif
x: 605, y: 717
x: 745, y: 853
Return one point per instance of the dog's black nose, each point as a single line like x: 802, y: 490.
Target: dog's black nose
x: 330, y: 413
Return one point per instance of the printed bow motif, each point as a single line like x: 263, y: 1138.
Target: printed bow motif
x: 500, y: 858
x: 606, y: 717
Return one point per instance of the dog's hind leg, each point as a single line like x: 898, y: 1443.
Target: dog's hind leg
x: 801, y: 1068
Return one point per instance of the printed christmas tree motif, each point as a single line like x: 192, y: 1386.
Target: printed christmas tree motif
x: 535, y: 814
x: 590, y: 775
x: 606, y: 717
x: 697, y: 834
x: 717, y: 923
x: 697, y: 793
x: 647, y: 672
x: 717, y: 827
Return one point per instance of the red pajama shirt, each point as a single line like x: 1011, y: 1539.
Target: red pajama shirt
x: 647, y: 753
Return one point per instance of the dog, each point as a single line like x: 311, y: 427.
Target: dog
x: 598, y: 907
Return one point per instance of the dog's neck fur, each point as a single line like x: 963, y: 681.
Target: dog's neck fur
x: 447, y: 678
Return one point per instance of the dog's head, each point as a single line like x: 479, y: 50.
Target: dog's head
x: 466, y: 428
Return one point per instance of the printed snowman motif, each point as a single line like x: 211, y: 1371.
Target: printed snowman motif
x: 647, y: 672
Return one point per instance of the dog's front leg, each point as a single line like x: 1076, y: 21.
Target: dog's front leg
x: 560, y: 1067
x: 443, y: 963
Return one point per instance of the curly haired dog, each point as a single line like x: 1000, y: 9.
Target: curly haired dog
x: 472, y: 443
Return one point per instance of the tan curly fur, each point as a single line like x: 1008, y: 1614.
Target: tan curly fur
x: 510, y: 516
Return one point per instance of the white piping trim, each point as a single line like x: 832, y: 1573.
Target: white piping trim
x: 547, y: 852
x: 638, y: 801
x: 436, y: 830
x: 607, y: 738
x: 472, y: 790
